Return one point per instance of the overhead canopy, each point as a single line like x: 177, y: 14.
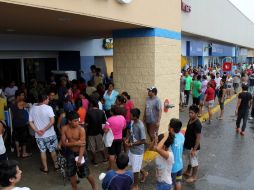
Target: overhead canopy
x: 18, y: 19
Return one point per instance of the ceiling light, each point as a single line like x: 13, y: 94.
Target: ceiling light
x: 10, y: 30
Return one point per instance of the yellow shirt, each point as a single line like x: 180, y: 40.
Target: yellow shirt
x: 3, y: 103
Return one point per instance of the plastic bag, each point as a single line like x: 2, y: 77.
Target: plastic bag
x: 108, y: 138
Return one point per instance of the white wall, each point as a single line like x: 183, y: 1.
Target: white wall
x: 87, y: 47
x: 218, y: 19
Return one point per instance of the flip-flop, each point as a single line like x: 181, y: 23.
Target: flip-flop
x: 44, y: 171
x: 27, y: 156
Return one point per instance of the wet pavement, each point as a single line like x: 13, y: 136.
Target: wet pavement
x: 226, y: 161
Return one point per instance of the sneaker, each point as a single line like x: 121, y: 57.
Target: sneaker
x: 237, y: 130
x: 242, y: 133
x: 250, y: 118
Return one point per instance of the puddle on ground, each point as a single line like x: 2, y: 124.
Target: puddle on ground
x: 217, y: 180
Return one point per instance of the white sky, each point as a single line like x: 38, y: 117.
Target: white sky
x: 246, y: 7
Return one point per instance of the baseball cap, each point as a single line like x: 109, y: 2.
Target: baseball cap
x: 153, y: 89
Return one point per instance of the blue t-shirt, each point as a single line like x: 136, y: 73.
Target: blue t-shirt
x: 110, y: 99
x: 115, y: 181
x: 177, y: 149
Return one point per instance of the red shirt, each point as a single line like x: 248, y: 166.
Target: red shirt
x: 210, y: 92
x: 213, y: 84
x: 128, y: 106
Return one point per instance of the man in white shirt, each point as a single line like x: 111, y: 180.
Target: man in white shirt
x: 10, y: 91
x: 10, y: 175
x: 41, y: 120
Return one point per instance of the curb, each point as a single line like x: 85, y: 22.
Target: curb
x: 151, y: 155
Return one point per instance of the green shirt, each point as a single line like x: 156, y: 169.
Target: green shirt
x: 188, y: 81
x: 196, y: 88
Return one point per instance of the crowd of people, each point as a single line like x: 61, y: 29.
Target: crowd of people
x: 84, y: 120
x: 207, y: 84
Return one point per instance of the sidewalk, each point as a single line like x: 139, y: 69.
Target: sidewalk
x: 184, y: 117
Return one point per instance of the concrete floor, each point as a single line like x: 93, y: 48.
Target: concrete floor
x: 226, y: 162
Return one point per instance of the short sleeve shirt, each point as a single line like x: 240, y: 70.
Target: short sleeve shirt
x: 196, y: 88
x: 177, y: 149
x: 40, y: 115
x: 153, y: 107
x: 191, y: 134
x: 245, y: 98
x: 115, y: 181
x: 94, y: 119
x: 110, y: 99
x: 188, y: 81
x: 116, y: 123
x: 137, y: 134
x: 210, y: 94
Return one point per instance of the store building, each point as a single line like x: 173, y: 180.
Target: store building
x: 38, y: 36
x: 214, y: 30
x: 149, y: 39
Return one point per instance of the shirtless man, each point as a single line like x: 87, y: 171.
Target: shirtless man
x: 73, y: 138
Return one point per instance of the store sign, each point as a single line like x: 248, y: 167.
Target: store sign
x: 185, y: 8
x: 108, y: 43
x: 124, y: 1
x: 227, y: 66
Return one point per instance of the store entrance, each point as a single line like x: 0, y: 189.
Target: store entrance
x: 39, y: 68
x: 10, y: 70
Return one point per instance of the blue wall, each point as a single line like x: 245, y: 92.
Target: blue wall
x: 85, y: 63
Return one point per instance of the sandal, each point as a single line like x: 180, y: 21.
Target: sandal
x: 44, y: 171
x: 27, y: 155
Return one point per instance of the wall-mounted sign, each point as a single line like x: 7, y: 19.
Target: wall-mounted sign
x: 124, y: 1
x: 108, y: 43
x: 185, y: 8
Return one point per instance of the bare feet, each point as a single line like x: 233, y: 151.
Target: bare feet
x: 191, y: 180
x: 187, y: 174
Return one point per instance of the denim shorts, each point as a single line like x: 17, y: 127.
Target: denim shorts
x: 163, y: 186
x: 49, y: 143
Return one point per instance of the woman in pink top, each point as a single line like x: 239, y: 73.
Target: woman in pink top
x: 116, y: 123
x: 85, y: 102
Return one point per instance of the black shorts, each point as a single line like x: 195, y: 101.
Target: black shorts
x: 3, y: 157
x: 72, y: 168
x: 196, y: 101
x: 21, y: 134
x: 177, y: 177
x: 221, y: 104
x: 115, y: 148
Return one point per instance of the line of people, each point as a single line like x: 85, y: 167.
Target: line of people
x: 169, y: 162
